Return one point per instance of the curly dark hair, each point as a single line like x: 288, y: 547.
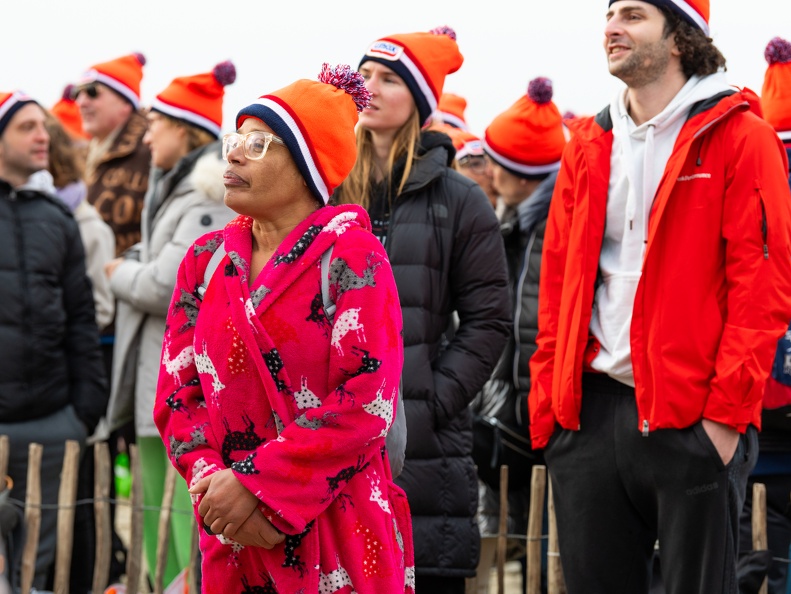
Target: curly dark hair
x: 698, y: 54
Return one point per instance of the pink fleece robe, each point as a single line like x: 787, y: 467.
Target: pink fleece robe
x: 256, y: 379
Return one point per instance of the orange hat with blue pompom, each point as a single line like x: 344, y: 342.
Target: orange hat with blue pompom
x: 528, y: 138
x: 198, y: 99
x: 316, y: 120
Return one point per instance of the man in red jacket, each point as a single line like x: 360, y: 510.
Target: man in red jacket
x: 665, y: 285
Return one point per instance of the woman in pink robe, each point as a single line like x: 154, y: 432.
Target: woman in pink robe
x: 275, y: 413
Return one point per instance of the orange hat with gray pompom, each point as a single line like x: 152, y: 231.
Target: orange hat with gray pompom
x: 123, y: 75
x: 422, y: 60
x: 776, y: 92
x: 316, y: 121
x: 198, y: 99
x: 528, y: 138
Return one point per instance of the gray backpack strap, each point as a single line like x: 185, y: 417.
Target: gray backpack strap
x: 329, y: 305
x: 216, y: 258
x: 396, y: 436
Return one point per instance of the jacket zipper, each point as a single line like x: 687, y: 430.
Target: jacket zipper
x: 764, y: 225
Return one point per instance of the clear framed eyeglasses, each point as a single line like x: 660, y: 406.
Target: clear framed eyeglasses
x: 254, y: 144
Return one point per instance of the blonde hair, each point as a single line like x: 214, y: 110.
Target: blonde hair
x: 196, y: 137
x: 356, y: 188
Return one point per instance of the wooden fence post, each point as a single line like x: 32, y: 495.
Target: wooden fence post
x: 759, y: 526
x: 163, y: 530
x: 32, y: 516
x: 134, y: 555
x: 4, y: 452
x: 194, y: 567
x: 502, y: 530
x: 101, y: 513
x: 538, y: 485
x: 555, y: 582
x: 67, y: 497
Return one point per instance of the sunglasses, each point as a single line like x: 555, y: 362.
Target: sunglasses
x: 92, y: 90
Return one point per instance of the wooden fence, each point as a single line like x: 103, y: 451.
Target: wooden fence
x: 541, y: 493
x: 136, y: 581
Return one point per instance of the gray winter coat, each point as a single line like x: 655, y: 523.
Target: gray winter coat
x: 180, y: 206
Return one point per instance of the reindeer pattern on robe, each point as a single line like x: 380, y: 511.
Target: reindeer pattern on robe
x: 253, y: 380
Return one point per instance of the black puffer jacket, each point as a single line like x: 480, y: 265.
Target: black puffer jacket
x: 49, y: 342
x: 446, y: 252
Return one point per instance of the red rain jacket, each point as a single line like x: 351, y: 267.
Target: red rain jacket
x: 715, y: 291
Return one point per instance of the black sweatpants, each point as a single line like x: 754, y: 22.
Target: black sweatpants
x: 617, y: 492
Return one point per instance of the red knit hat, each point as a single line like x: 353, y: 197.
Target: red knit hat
x: 316, y: 120
x: 422, y: 60
x: 68, y: 113
x: 528, y: 138
x: 122, y: 75
x: 776, y: 93
x: 10, y: 103
x: 695, y: 12
x: 197, y: 99
x: 450, y: 110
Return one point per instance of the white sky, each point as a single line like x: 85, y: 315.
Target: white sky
x: 48, y: 43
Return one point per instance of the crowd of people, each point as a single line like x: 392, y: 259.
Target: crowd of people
x: 266, y: 304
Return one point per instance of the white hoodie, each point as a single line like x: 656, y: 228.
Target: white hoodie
x: 637, y: 162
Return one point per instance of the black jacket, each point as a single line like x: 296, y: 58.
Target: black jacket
x: 49, y: 343
x: 447, y: 255
x: 503, y: 399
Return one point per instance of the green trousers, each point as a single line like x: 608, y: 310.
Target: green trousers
x: 154, y: 464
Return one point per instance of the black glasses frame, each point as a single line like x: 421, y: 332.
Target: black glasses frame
x: 92, y: 90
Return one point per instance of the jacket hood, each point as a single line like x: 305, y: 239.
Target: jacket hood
x: 695, y: 90
x: 208, y: 172
x: 40, y: 181
x: 435, y: 153
x: 200, y: 170
x: 588, y: 129
x: 431, y: 139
